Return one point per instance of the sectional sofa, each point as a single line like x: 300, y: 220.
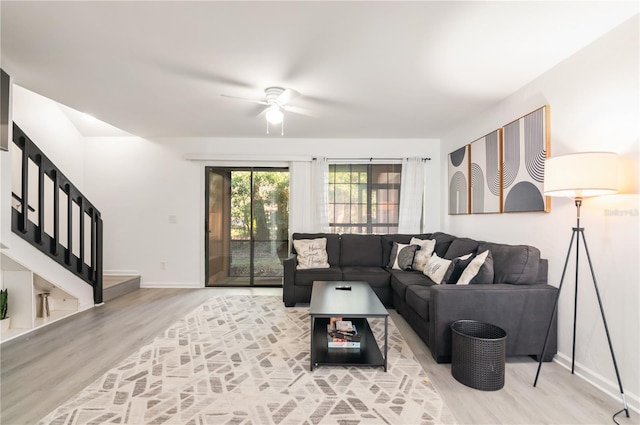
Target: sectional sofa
x: 518, y: 299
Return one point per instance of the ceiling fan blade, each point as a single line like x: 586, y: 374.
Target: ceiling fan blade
x: 286, y: 96
x: 329, y: 102
x: 196, y: 74
x: 260, y: 102
x: 262, y: 113
x: 298, y: 110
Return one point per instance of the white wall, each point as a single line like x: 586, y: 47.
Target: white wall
x: 46, y: 124
x: 137, y: 184
x: 43, y: 121
x: 593, y: 97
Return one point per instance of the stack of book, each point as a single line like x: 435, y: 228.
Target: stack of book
x: 342, y: 334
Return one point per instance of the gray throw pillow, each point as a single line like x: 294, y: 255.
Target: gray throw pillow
x: 402, y: 256
x: 458, y: 265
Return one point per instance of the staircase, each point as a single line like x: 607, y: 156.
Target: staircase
x: 114, y: 286
x: 51, y: 214
x: 51, y: 222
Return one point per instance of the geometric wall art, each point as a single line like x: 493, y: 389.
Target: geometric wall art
x: 486, y: 171
x: 459, y: 181
x: 525, y: 147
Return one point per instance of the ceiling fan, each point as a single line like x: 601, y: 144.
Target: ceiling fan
x: 276, y: 101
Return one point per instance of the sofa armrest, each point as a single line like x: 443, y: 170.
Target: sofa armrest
x: 543, y: 271
x: 288, y: 281
x: 523, y: 311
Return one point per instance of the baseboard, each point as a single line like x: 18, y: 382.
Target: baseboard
x: 87, y: 306
x: 186, y: 285
x: 605, y: 385
x: 121, y: 272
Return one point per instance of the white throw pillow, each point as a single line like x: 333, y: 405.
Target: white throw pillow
x: 474, y: 267
x: 436, y: 268
x: 312, y: 253
x: 424, y: 253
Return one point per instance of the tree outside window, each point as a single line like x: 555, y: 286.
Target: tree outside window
x: 364, y: 198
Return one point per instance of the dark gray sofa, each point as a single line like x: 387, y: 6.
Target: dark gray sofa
x: 520, y: 301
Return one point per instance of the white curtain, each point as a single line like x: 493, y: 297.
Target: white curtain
x: 320, y: 194
x: 412, y: 188
x: 300, y: 212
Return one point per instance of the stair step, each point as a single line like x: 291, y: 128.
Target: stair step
x: 114, y: 286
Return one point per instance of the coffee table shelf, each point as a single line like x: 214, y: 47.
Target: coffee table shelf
x: 368, y: 354
x: 356, y: 304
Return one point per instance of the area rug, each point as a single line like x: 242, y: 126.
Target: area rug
x: 245, y: 360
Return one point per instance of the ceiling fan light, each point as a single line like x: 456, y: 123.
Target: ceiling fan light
x: 274, y: 115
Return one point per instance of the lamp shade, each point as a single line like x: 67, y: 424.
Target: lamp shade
x: 581, y: 175
x: 274, y: 115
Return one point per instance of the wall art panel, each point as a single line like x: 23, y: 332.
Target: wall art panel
x: 459, y: 181
x: 525, y: 147
x: 486, y: 172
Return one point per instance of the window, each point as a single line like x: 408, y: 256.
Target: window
x: 364, y: 198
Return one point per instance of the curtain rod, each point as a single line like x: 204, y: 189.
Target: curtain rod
x: 369, y: 159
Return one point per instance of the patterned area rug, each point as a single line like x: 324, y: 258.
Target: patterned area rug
x: 245, y: 360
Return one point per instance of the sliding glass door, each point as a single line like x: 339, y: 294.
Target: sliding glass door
x: 247, y: 225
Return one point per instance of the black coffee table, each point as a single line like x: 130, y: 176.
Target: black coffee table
x: 356, y: 305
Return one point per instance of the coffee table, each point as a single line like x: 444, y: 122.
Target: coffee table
x: 356, y: 305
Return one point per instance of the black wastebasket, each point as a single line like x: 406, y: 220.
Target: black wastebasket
x: 478, y: 354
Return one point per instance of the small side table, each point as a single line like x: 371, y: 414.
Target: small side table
x: 478, y: 354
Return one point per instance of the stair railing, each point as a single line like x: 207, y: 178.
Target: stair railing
x: 69, y: 230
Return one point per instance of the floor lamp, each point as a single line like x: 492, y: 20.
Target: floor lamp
x: 579, y: 176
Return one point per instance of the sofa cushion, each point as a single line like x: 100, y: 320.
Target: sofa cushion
x: 460, y: 247
x: 312, y: 253
x: 361, y: 250
x: 376, y: 276
x: 333, y: 245
x: 388, y: 240
x: 418, y: 299
x: 307, y: 276
x: 443, y: 240
x: 517, y: 264
x: 402, y: 256
x: 401, y: 280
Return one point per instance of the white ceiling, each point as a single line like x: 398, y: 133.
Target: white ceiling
x: 366, y: 69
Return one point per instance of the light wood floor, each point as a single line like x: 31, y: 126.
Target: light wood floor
x: 41, y: 370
